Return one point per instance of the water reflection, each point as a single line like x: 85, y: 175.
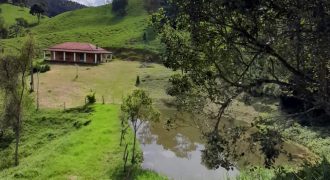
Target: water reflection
x: 181, y: 160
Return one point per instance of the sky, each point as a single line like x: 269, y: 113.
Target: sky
x: 92, y: 2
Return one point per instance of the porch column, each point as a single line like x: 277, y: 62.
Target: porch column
x: 54, y: 55
x: 85, y: 59
x: 74, y: 57
x: 63, y: 56
x: 95, y: 59
x: 44, y: 55
x: 110, y: 56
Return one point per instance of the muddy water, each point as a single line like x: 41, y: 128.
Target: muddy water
x: 176, y: 153
x: 176, y: 157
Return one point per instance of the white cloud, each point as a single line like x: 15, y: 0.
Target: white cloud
x: 92, y: 2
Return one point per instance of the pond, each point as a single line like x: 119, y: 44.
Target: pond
x: 176, y: 153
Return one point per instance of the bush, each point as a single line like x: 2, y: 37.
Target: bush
x: 40, y: 67
x: 91, y: 98
x: 137, y: 82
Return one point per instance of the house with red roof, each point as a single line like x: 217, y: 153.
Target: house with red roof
x: 75, y: 52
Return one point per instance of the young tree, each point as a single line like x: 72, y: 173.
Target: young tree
x: 13, y: 72
x: 119, y: 7
x: 37, y: 10
x: 136, y: 109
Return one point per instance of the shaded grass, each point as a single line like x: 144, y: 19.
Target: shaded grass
x: 54, y: 148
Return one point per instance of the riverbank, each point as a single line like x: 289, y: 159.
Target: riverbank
x: 79, y: 143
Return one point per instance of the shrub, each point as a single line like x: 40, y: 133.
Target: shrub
x: 137, y: 82
x: 91, y: 98
x: 40, y: 67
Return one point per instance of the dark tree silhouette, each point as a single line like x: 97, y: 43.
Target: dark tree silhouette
x: 119, y: 7
x: 37, y: 10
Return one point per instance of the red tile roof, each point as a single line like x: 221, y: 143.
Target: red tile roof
x: 77, y: 47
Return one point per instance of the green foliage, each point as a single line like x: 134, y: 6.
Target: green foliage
x: 138, y: 106
x: 91, y: 98
x: 320, y: 171
x: 223, y: 45
x: 22, y: 22
x: 37, y: 10
x: 256, y: 173
x: 119, y: 7
x: 216, y: 152
x: 136, y: 109
x: 137, y: 82
x: 3, y: 29
x: 40, y: 67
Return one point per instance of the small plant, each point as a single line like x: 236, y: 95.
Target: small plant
x: 91, y: 98
x: 40, y: 67
x: 145, y: 37
x: 137, y: 82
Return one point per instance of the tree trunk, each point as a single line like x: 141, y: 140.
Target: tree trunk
x: 32, y: 80
x: 38, y: 92
x: 134, y: 143
x: 17, y: 137
x: 39, y: 16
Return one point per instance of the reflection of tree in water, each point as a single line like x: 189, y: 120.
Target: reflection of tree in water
x: 171, y: 140
x: 184, y: 146
x: 145, y: 136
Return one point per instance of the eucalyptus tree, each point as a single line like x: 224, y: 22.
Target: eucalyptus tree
x: 225, y: 48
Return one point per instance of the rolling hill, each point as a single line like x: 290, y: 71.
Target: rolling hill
x: 10, y: 13
x: 97, y: 25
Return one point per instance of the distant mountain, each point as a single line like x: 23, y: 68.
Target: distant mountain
x: 52, y: 7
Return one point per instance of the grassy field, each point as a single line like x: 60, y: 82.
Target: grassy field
x: 75, y: 144
x: 10, y: 13
x: 111, y: 80
x: 97, y: 25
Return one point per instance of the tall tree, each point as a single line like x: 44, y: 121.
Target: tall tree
x: 225, y: 48
x: 37, y: 10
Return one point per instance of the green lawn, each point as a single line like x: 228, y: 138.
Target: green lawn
x: 57, y: 145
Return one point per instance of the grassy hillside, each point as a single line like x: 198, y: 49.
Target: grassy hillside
x: 11, y: 12
x: 95, y: 25
x: 75, y: 144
